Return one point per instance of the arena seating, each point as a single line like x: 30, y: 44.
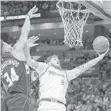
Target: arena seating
x: 20, y: 8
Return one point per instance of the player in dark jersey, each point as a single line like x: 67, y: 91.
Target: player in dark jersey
x: 14, y: 71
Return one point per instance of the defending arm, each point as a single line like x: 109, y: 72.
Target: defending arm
x: 38, y: 66
x: 18, y: 49
x: 24, y: 34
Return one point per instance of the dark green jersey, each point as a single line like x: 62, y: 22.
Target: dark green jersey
x: 14, y: 74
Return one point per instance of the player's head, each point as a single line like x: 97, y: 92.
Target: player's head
x: 53, y: 60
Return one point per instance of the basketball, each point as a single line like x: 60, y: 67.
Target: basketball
x: 100, y: 44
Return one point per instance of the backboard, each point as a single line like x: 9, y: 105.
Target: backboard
x: 100, y: 8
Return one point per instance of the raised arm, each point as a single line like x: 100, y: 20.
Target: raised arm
x: 74, y: 73
x: 38, y: 66
x: 25, y: 29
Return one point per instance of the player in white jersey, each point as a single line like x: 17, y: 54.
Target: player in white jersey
x: 53, y: 80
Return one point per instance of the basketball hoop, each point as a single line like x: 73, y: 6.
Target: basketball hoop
x: 74, y: 17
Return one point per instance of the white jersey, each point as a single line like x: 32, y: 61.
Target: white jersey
x: 53, y: 84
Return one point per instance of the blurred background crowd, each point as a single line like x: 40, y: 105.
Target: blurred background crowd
x: 87, y: 41
x: 19, y: 7
x: 89, y: 92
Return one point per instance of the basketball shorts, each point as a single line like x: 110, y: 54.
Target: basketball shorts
x: 15, y: 102
x: 51, y: 106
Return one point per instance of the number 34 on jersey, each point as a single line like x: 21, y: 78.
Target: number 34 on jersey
x: 12, y: 78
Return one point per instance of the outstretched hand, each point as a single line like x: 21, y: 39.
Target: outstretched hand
x: 31, y: 40
x: 32, y: 12
x: 103, y: 54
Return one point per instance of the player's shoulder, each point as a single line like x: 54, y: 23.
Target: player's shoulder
x: 5, y: 57
x: 63, y: 70
x: 10, y: 60
x: 8, y: 56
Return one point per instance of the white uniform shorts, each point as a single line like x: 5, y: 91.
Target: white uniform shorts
x: 51, y: 106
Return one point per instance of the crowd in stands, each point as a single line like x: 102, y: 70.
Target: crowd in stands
x: 52, y: 42
x: 89, y: 95
x: 87, y: 45
x: 20, y: 8
x: 87, y: 42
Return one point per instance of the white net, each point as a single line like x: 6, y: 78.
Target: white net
x: 74, y: 17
